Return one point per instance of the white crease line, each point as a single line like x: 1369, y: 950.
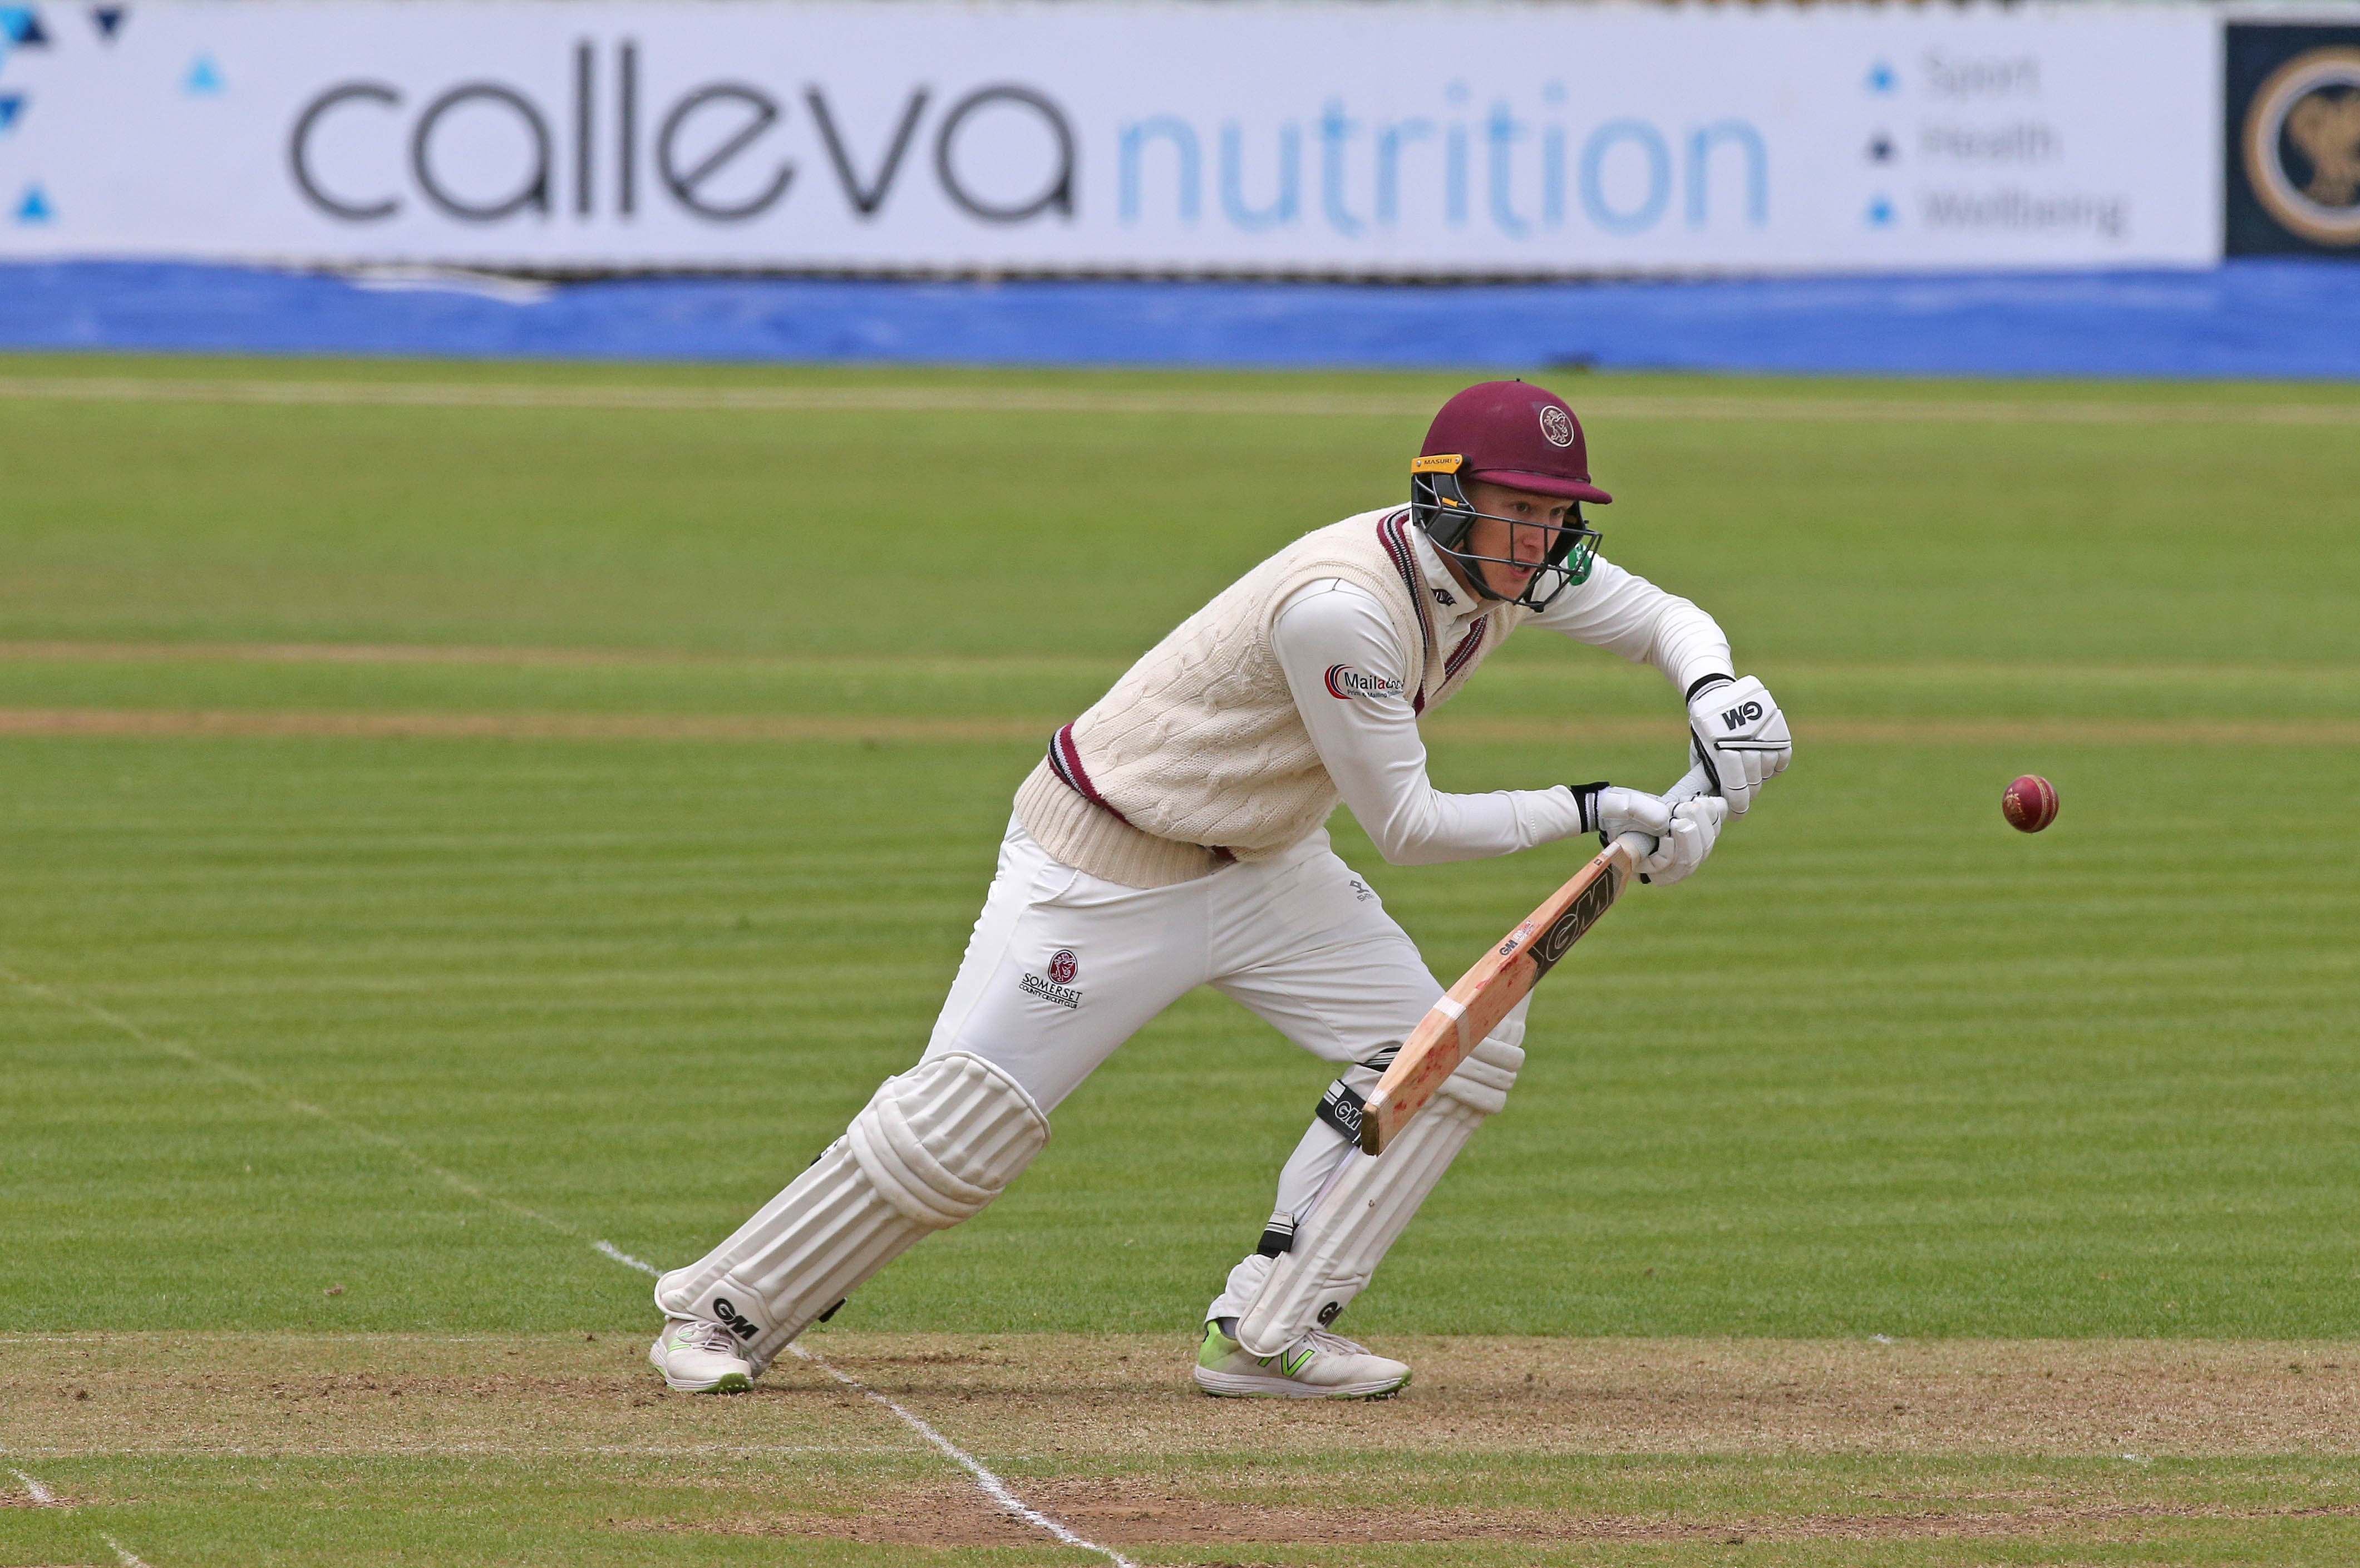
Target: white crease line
x: 992, y: 1486
x: 44, y: 1497
x: 984, y: 399
x: 270, y: 1091
x: 625, y: 1258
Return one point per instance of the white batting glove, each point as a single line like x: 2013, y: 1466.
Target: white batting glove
x: 1738, y: 735
x: 1609, y: 812
x: 1695, y: 826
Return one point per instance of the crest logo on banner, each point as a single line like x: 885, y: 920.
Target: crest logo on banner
x: 2291, y: 134
x: 2302, y: 145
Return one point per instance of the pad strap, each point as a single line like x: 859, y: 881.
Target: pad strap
x: 1337, y: 1247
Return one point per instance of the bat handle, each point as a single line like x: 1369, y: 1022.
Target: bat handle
x: 1695, y: 782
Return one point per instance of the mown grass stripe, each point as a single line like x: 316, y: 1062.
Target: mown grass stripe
x: 1112, y: 400
x: 237, y: 723
x: 59, y: 996
x: 57, y: 651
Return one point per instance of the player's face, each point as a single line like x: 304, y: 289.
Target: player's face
x: 1514, y: 526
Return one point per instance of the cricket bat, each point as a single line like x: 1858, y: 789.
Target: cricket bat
x: 1502, y: 978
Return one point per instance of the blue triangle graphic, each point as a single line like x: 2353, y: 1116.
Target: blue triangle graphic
x: 1881, y: 78
x: 203, y: 76
x: 12, y: 109
x: 108, y: 19
x: 1880, y: 213
x: 22, y: 25
x: 34, y: 208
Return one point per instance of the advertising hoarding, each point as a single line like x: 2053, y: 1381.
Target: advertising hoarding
x: 1252, y: 139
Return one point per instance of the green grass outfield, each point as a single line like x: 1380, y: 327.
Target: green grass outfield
x: 442, y: 827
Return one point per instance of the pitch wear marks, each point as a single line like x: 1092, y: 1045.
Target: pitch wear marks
x: 1346, y: 683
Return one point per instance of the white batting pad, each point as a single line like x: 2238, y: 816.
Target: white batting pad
x: 1338, y: 1248
x: 931, y: 1148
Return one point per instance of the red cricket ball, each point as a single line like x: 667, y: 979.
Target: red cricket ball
x: 2030, y: 803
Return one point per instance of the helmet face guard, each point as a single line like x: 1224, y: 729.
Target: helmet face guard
x: 1438, y: 505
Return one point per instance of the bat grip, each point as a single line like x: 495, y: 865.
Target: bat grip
x: 1695, y: 782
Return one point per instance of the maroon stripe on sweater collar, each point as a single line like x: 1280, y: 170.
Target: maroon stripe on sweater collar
x: 1392, y: 535
x: 1466, y: 647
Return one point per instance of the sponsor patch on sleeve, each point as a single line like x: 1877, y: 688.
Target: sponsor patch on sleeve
x: 1344, y: 683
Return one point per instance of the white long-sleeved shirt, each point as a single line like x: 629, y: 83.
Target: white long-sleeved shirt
x: 1367, y: 738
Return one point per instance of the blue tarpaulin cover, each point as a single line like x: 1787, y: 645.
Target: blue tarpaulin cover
x: 2261, y: 318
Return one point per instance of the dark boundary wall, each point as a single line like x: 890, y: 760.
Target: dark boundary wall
x: 2274, y: 318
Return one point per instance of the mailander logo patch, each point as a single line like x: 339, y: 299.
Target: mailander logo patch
x: 1344, y: 683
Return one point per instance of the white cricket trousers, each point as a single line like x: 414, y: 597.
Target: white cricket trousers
x: 1063, y: 967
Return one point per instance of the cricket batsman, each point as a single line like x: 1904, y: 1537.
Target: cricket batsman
x: 1174, y: 837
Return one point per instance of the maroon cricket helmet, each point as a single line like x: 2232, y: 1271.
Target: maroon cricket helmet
x: 1512, y: 433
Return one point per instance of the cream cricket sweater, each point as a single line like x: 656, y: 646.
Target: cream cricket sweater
x: 1199, y: 756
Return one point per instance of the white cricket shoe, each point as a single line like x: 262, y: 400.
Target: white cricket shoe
x: 698, y: 1357
x: 1319, y: 1366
